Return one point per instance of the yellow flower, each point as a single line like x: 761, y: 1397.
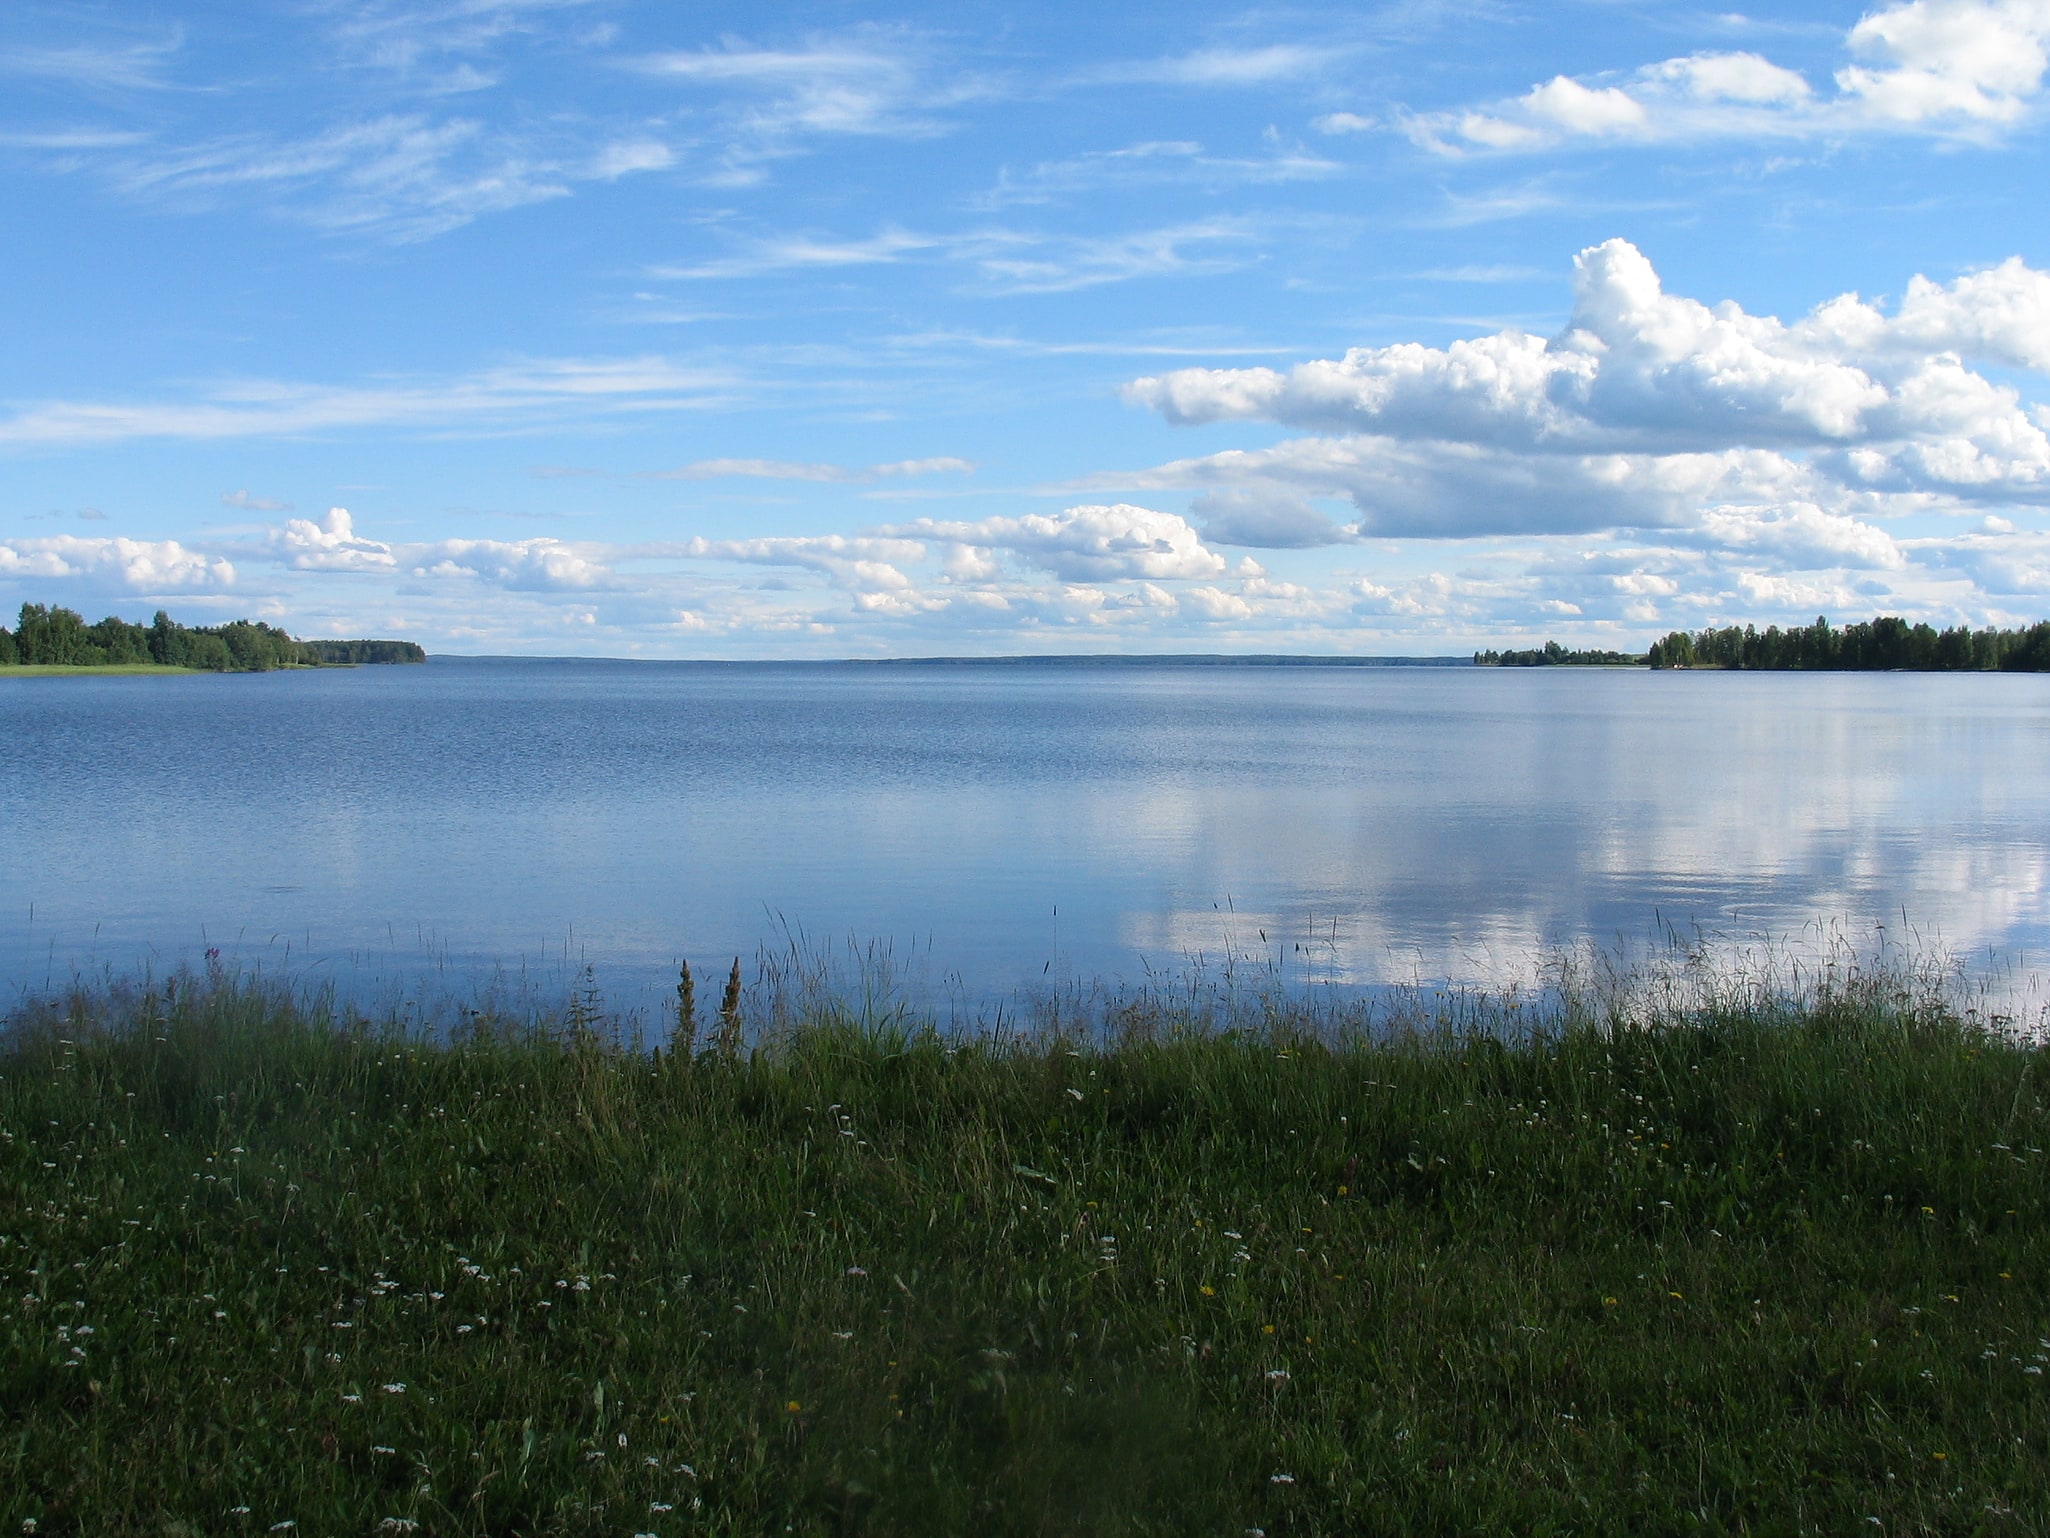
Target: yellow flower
x: 1208, y: 1292
x: 1266, y: 1329
x: 794, y: 1407
x: 1608, y: 1302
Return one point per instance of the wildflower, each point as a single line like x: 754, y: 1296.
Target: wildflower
x: 1266, y: 1329
x: 1281, y: 1479
x: 856, y: 1271
x: 660, y: 1506
x: 395, y: 1388
x: 1277, y: 1375
x: 1608, y: 1302
x: 398, y: 1525
x: 794, y: 1407
x: 1207, y: 1291
x: 352, y: 1399
x: 389, y: 1452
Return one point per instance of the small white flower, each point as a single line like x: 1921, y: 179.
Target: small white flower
x: 389, y: 1451
x: 1281, y: 1479
x: 395, y: 1388
x: 352, y: 1399
x: 1277, y: 1375
x: 660, y: 1506
x: 856, y: 1271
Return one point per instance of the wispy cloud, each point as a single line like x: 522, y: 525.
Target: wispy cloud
x: 493, y: 398
x: 1156, y: 162
x: 96, y: 66
x: 245, y: 502
x: 401, y: 176
x: 1253, y: 66
x: 785, y: 253
x: 1002, y: 260
x: 864, y: 81
x: 797, y: 470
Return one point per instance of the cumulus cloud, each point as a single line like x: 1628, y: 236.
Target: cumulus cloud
x: 1647, y: 409
x: 1953, y: 67
x: 1266, y: 520
x: 534, y: 565
x: 1091, y: 543
x: 142, y: 566
x: 330, y: 545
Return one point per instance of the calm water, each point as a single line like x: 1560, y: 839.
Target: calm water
x: 994, y: 827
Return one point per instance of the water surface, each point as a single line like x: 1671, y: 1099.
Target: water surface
x: 995, y: 827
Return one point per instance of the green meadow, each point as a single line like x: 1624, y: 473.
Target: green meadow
x: 1743, y: 1263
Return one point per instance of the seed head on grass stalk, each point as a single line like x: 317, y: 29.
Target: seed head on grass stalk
x: 686, y: 1042
x: 729, y: 1015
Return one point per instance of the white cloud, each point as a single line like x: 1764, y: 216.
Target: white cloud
x: 142, y: 566
x: 330, y: 545
x: 626, y: 157
x: 1803, y: 536
x: 1343, y: 123
x: 1218, y: 67
x: 1964, y: 68
x: 1969, y: 60
x: 1090, y: 543
x: 1267, y: 520
x: 1645, y: 409
x: 537, y: 565
x: 798, y: 252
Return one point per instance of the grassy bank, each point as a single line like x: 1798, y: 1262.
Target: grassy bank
x: 69, y: 670
x: 1759, y: 1268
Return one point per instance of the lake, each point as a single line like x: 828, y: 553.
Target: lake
x: 992, y: 830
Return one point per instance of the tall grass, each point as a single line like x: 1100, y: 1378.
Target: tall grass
x: 1645, y: 1252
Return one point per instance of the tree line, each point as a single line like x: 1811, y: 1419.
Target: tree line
x: 1552, y: 655
x: 50, y: 635
x: 1885, y: 643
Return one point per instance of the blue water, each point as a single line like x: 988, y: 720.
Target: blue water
x: 472, y: 823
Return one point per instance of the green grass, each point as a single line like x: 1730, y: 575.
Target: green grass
x: 1747, y: 1267
x: 69, y: 670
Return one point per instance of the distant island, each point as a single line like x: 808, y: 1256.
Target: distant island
x: 1553, y: 655
x: 53, y: 637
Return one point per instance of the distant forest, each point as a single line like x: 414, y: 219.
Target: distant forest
x: 1886, y: 643
x: 56, y: 636
x: 1553, y: 655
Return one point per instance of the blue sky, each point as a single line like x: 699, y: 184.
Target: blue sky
x: 585, y: 326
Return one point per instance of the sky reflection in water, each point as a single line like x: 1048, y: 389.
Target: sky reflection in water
x: 996, y: 827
